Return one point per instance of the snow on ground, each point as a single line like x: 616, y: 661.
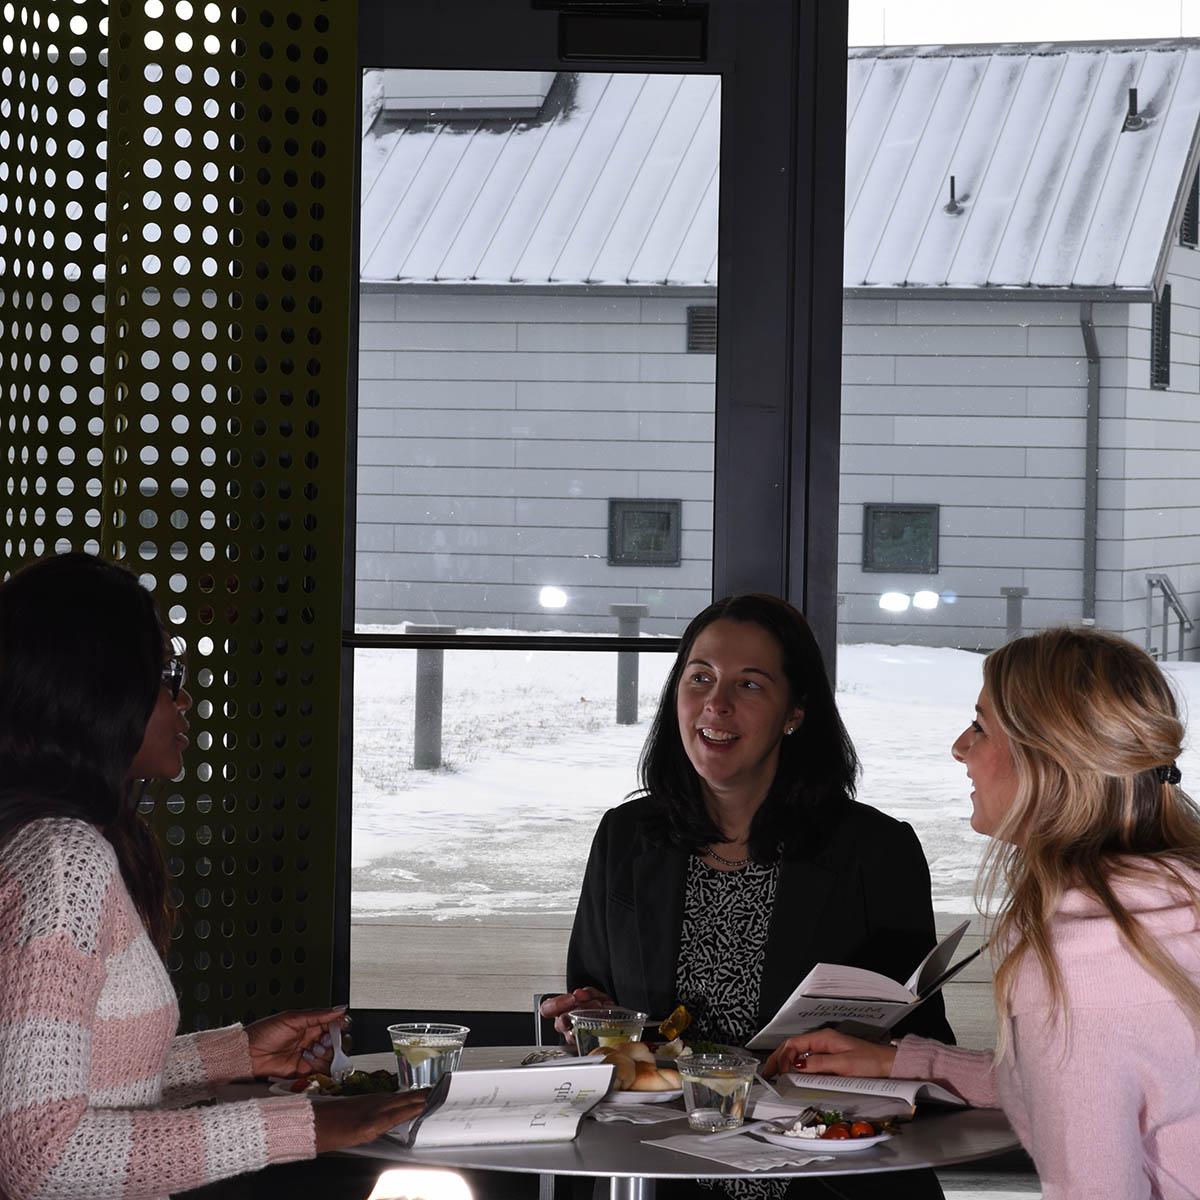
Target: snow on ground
x: 532, y: 757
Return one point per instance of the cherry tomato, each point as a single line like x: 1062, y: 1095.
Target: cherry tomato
x: 298, y: 1085
x: 837, y: 1131
x: 862, y: 1129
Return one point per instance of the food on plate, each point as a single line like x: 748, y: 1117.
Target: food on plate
x: 357, y: 1083
x: 671, y: 1049
x: 675, y: 1024
x: 635, y: 1069
x: 831, y: 1126
x: 702, y: 1047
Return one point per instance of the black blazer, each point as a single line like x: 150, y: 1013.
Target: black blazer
x: 861, y: 898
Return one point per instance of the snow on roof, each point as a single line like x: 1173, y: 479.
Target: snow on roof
x: 615, y: 180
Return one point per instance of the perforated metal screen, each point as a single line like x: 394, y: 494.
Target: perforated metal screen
x: 52, y: 87
x: 222, y: 419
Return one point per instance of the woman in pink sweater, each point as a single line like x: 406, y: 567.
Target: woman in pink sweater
x: 93, y: 1079
x: 1097, y: 941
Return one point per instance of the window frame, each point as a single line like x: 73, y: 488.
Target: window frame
x: 776, y: 452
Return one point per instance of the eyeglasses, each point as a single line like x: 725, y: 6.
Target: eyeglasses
x: 174, y: 674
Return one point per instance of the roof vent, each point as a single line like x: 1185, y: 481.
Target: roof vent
x: 1133, y: 120
x: 702, y: 329
x: 952, y: 206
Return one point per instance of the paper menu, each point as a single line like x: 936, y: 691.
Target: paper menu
x: 514, y: 1104
x: 863, y: 1002
x: 907, y: 1090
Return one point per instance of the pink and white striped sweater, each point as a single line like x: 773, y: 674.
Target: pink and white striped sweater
x: 91, y: 1072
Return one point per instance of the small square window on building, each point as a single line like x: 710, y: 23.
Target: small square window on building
x: 644, y: 533
x: 702, y: 329
x: 1189, y: 229
x: 1160, y: 340
x: 901, y: 538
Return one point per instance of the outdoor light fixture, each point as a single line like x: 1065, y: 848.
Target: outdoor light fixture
x: 552, y: 597
x: 894, y: 602
x: 925, y: 600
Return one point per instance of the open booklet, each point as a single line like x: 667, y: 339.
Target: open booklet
x: 860, y: 1001
x: 513, y: 1104
x: 863, y: 1097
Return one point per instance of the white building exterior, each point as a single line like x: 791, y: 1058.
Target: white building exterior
x: 524, y: 341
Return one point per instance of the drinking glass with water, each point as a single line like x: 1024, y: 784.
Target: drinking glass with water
x: 425, y: 1051
x: 715, y: 1089
x: 594, y: 1027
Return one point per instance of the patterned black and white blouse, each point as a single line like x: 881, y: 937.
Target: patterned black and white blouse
x: 718, y: 978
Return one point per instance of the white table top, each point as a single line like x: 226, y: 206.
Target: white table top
x: 617, y: 1150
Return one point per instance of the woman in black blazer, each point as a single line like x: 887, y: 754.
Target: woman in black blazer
x: 745, y: 859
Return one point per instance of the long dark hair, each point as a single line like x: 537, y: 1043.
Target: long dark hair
x: 818, y: 766
x: 81, y: 659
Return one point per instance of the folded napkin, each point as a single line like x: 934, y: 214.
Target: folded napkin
x: 739, y: 1152
x: 635, y: 1114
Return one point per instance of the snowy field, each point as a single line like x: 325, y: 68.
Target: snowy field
x: 532, y: 757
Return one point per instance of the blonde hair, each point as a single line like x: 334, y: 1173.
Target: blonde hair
x: 1090, y: 719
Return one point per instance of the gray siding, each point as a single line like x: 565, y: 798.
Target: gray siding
x: 494, y: 429
x: 978, y: 407
x: 1158, y: 435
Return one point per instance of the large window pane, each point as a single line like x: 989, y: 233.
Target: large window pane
x: 535, y: 454
x: 466, y: 874
x: 537, y: 348
x: 998, y: 363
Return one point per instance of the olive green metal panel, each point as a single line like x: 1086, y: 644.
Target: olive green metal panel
x: 228, y: 281
x: 51, y: 277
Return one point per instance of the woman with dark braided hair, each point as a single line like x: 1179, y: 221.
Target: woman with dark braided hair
x: 92, y: 1076
x: 1096, y: 944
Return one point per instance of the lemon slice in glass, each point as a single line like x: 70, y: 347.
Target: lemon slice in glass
x: 416, y: 1055
x: 725, y: 1085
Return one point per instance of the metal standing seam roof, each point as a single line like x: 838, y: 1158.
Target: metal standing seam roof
x: 615, y: 181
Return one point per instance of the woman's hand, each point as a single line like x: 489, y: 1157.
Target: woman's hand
x: 294, y: 1043
x: 827, y: 1052
x: 558, y: 1007
x: 358, y: 1119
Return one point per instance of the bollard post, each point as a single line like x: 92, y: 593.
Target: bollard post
x: 1012, y: 614
x: 629, y: 620
x: 427, y: 720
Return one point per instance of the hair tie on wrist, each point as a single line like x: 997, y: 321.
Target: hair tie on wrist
x: 1169, y: 773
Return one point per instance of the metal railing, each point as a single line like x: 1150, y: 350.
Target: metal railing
x: 1172, y: 605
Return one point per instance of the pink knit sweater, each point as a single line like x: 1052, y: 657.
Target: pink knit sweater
x: 1108, y: 1102
x: 91, y: 1072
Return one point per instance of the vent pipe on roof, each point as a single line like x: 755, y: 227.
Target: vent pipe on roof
x: 953, y: 206
x: 1132, y: 118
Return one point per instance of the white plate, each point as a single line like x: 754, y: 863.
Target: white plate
x: 642, y: 1097
x: 822, y: 1145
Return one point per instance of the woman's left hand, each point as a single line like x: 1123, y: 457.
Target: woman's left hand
x: 294, y: 1043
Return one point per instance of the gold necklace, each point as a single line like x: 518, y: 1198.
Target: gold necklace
x: 725, y: 862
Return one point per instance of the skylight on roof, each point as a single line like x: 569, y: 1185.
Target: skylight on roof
x: 444, y: 95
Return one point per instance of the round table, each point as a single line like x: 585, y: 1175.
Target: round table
x: 616, y: 1151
